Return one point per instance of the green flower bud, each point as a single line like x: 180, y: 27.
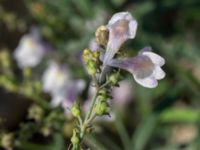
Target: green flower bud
x: 102, y: 98
x: 104, y: 95
x: 92, y: 71
x: 96, y: 55
x: 91, y: 67
x: 75, y: 139
x: 35, y: 112
x: 46, y: 130
x: 102, y: 108
x: 113, y: 78
x: 7, y: 141
x: 76, y: 112
x: 86, y: 55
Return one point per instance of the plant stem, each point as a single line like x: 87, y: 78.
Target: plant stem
x: 102, y: 72
x: 91, y: 106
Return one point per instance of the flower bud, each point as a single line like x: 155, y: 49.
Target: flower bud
x: 76, y: 112
x: 46, y: 130
x: 92, y: 67
x: 96, y: 55
x: 104, y: 95
x: 7, y: 141
x: 102, y: 34
x: 35, y: 112
x: 86, y: 55
x: 103, y: 92
x: 113, y: 78
x: 74, y: 138
x: 102, y: 108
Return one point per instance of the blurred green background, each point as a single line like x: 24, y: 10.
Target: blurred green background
x: 164, y: 118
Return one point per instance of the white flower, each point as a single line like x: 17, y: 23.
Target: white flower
x: 30, y: 51
x: 66, y: 97
x: 122, y: 26
x: 57, y: 81
x: 55, y: 78
x: 145, y: 68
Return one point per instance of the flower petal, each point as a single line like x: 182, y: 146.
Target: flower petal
x: 145, y: 49
x: 110, y: 53
x: 119, y: 16
x: 156, y: 59
x: 56, y: 100
x: 132, y: 29
x: 55, y: 78
x: 141, y: 65
x: 158, y: 73
x: 122, y: 26
x: 149, y: 82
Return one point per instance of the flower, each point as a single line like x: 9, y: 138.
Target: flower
x: 57, y: 81
x: 122, y: 26
x: 74, y: 89
x: 30, y: 50
x: 145, y: 67
x: 55, y: 78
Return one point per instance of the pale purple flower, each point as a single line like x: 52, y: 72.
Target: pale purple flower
x: 30, y: 50
x: 58, y: 83
x: 122, y: 26
x: 145, y: 67
x: 74, y: 89
x: 55, y: 78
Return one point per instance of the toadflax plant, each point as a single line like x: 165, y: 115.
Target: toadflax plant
x: 103, y: 64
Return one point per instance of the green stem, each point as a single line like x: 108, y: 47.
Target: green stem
x: 102, y: 72
x: 104, y: 85
x: 90, y: 114
x: 91, y: 118
x: 91, y: 106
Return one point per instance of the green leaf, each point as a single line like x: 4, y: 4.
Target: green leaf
x: 144, y: 132
x: 188, y: 115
